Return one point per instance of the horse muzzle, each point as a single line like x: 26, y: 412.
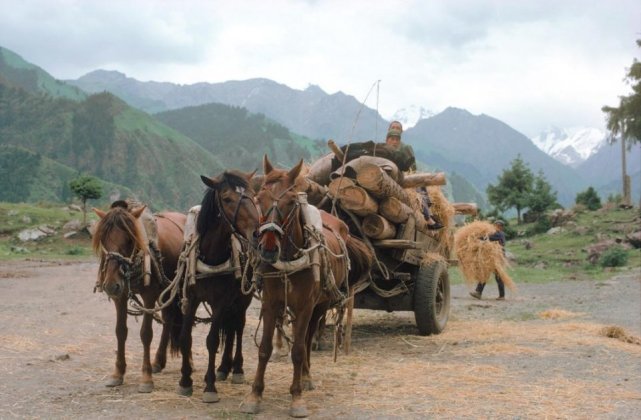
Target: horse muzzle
x: 268, y: 244
x: 114, y: 289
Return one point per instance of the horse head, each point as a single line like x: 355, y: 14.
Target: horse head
x: 229, y: 199
x: 118, y: 241
x: 278, y: 203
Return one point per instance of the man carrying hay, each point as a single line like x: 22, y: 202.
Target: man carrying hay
x: 499, y: 237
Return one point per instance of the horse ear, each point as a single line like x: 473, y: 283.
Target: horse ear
x: 295, y: 171
x: 267, y: 165
x: 137, y: 212
x: 250, y: 175
x: 101, y: 214
x: 208, y: 181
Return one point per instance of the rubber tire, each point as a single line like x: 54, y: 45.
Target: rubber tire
x: 432, y: 298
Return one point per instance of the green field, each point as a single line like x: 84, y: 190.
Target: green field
x: 561, y: 256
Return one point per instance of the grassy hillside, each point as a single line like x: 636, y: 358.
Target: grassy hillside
x: 31, y: 78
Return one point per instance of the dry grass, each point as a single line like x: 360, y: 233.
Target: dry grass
x: 620, y: 334
x: 558, y: 314
x: 478, y: 257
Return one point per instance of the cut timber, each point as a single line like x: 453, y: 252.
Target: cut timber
x: 397, y: 243
x: 394, y: 210
x: 465, y: 208
x: 377, y: 227
x: 375, y: 180
x: 353, y: 167
x: 426, y: 179
x: 320, y: 170
x: 340, y: 183
x: 352, y: 197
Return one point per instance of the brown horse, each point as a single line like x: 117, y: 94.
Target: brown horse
x: 120, y: 240
x: 227, y: 210
x: 282, y: 239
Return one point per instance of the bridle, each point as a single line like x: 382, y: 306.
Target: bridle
x: 268, y: 220
x: 232, y: 223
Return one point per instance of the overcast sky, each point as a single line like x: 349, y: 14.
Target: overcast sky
x: 529, y: 63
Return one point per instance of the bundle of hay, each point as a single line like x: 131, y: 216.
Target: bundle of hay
x: 479, y: 257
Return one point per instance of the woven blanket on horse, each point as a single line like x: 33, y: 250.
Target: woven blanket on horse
x: 369, y: 148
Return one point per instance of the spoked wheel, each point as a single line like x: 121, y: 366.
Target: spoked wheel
x: 432, y: 298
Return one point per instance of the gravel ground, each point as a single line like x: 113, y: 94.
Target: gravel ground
x: 540, y: 353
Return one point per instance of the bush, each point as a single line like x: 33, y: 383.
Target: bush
x: 589, y: 198
x: 542, y: 225
x: 614, y: 257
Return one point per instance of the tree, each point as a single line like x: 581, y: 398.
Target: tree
x: 624, y: 121
x: 86, y: 188
x: 542, y: 197
x: 589, y: 198
x: 513, y: 188
x: 18, y: 172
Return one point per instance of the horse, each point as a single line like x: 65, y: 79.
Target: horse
x: 121, y: 241
x: 306, y: 291
x: 227, y: 210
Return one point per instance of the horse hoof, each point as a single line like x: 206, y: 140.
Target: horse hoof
x: 238, y: 378
x: 308, y: 385
x: 298, y: 409
x: 221, y: 376
x: 156, y: 368
x: 250, y: 407
x: 185, y: 391
x: 146, y: 387
x: 114, y: 382
x: 210, y: 397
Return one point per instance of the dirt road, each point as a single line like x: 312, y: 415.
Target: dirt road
x: 539, y: 354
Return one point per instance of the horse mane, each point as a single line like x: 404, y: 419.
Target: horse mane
x: 118, y: 217
x: 209, y: 211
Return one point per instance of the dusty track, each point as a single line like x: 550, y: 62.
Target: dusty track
x: 495, y: 359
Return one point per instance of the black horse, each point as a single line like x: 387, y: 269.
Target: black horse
x: 227, y: 211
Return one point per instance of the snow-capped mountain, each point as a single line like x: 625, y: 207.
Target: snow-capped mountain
x: 411, y: 115
x: 570, y: 147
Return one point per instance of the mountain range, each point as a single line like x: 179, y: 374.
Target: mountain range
x: 224, y: 120
x: 571, y: 149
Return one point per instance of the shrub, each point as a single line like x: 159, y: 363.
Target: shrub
x: 542, y: 225
x: 589, y: 198
x: 614, y: 257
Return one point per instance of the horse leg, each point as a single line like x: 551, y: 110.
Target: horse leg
x: 318, y: 315
x: 238, y: 375
x: 185, y: 385
x: 160, y: 360
x: 279, y: 348
x: 210, y: 395
x: 121, y: 334
x: 298, y: 407
x: 251, y: 404
x: 146, y: 336
x: 226, y: 359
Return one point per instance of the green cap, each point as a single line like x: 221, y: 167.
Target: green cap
x: 394, y: 132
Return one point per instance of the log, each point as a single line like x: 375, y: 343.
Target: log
x: 341, y: 183
x: 354, y: 166
x: 377, y: 227
x: 320, y: 170
x: 423, y: 179
x: 394, y: 210
x: 376, y: 181
x: 357, y: 200
x: 466, y: 208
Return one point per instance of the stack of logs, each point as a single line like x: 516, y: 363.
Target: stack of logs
x: 383, y: 202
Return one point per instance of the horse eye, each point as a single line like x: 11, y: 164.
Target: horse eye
x: 228, y: 200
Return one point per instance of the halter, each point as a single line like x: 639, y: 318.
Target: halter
x: 270, y: 225
x: 232, y: 223
x: 130, y: 268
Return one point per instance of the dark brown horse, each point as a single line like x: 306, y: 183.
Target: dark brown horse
x: 283, y: 239
x: 122, y: 243
x: 227, y: 210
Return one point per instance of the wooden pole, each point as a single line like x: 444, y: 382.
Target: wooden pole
x: 394, y: 210
x: 357, y: 200
x: 425, y: 179
x: 465, y: 208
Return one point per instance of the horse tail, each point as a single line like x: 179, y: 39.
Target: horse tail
x: 175, y: 317
x: 361, y: 259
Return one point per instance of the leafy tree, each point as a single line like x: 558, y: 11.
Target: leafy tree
x: 542, y: 197
x: 624, y: 121
x: 94, y: 129
x: 589, y: 198
x: 513, y: 188
x: 86, y: 188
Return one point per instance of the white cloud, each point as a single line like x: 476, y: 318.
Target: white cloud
x: 528, y: 63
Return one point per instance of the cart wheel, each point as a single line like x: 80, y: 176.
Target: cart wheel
x: 432, y: 298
